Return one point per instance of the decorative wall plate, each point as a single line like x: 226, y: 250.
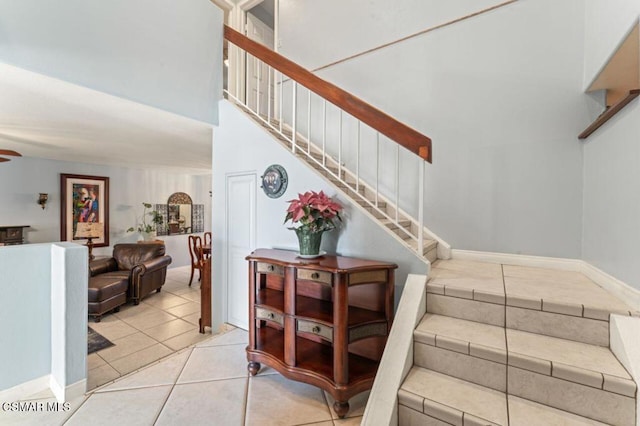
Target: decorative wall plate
x: 274, y: 181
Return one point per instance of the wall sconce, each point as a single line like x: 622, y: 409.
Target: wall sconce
x: 42, y: 199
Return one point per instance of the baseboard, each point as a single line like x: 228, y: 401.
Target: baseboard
x: 69, y: 392
x: 621, y: 290
x: 26, y: 389
x: 519, y: 260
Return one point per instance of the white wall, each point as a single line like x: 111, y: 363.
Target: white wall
x: 317, y: 33
x: 23, y: 178
x: 43, y: 312
x: 163, y: 53
x: 501, y: 96
x: 240, y: 145
x: 611, y: 202
x: 612, y: 156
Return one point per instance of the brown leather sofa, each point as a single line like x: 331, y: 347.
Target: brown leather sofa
x: 144, y: 266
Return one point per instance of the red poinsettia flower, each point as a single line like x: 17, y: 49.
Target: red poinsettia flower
x: 314, y: 210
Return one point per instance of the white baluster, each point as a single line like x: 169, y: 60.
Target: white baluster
x: 340, y: 148
x: 397, y: 182
x: 421, y: 208
x: 295, y: 107
x: 324, y: 132
x: 269, y: 94
x: 309, y: 123
x: 377, y: 164
x: 358, y: 159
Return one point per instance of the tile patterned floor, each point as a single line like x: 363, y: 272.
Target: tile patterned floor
x: 162, y: 324
x: 187, y: 378
x: 206, y: 384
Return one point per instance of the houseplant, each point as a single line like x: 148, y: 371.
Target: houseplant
x: 148, y: 230
x: 315, y: 213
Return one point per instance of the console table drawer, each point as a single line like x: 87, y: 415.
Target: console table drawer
x: 316, y: 328
x: 311, y: 275
x: 268, y: 268
x: 268, y: 315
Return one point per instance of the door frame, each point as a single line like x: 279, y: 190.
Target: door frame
x: 238, y: 21
x: 252, y: 175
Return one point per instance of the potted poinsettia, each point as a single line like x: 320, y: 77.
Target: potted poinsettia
x: 314, y: 213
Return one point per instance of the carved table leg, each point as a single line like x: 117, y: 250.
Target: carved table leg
x: 341, y: 408
x: 253, y: 367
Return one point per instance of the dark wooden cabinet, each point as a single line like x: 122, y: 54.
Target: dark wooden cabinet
x: 10, y: 235
x: 323, y: 321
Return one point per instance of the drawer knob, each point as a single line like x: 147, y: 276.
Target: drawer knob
x: 315, y: 275
x: 316, y: 329
x: 271, y: 315
x: 271, y: 268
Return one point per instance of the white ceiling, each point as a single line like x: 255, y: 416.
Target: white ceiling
x: 48, y: 118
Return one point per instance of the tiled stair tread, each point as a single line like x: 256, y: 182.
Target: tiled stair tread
x: 523, y: 412
x: 443, y: 331
x: 448, y: 399
x: 567, y: 352
x: 581, y: 363
x: 569, y: 293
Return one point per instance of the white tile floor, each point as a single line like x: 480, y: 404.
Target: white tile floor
x: 202, y: 384
x: 160, y: 325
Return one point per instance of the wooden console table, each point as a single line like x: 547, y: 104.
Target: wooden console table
x: 323, y: 321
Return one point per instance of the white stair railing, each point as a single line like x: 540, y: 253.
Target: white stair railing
x: 341, y: 146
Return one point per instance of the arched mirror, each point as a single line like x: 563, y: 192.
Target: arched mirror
x: 179, y: 214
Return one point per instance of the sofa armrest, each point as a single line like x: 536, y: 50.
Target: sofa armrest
x: 151, y: 265
x: 101, y: 266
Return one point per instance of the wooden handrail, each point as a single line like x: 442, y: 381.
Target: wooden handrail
x: 610, y: 112
x: 398, y: 132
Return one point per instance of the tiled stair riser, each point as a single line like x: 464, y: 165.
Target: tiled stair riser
x: 606, y: 396
x: 583, y: 400
x: 410, y: 417
x: 572, y: 322
x: 456, y: 364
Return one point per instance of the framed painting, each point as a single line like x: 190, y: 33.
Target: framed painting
x: 84, y: 199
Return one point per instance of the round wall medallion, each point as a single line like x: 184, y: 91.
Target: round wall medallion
x: 274, y: 181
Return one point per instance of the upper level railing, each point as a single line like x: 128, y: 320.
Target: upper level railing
x: 399, y: 132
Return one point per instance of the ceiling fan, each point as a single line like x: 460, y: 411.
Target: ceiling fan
x: 8, y: 152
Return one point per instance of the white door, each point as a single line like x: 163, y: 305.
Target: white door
x: 261, y: 84
x: 240, y: 241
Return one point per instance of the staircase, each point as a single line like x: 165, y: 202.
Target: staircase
x: 310, y: 117
x: 512, y: 345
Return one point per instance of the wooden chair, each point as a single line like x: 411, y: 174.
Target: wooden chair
x: 195, y: 251
x: 207, y: 242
